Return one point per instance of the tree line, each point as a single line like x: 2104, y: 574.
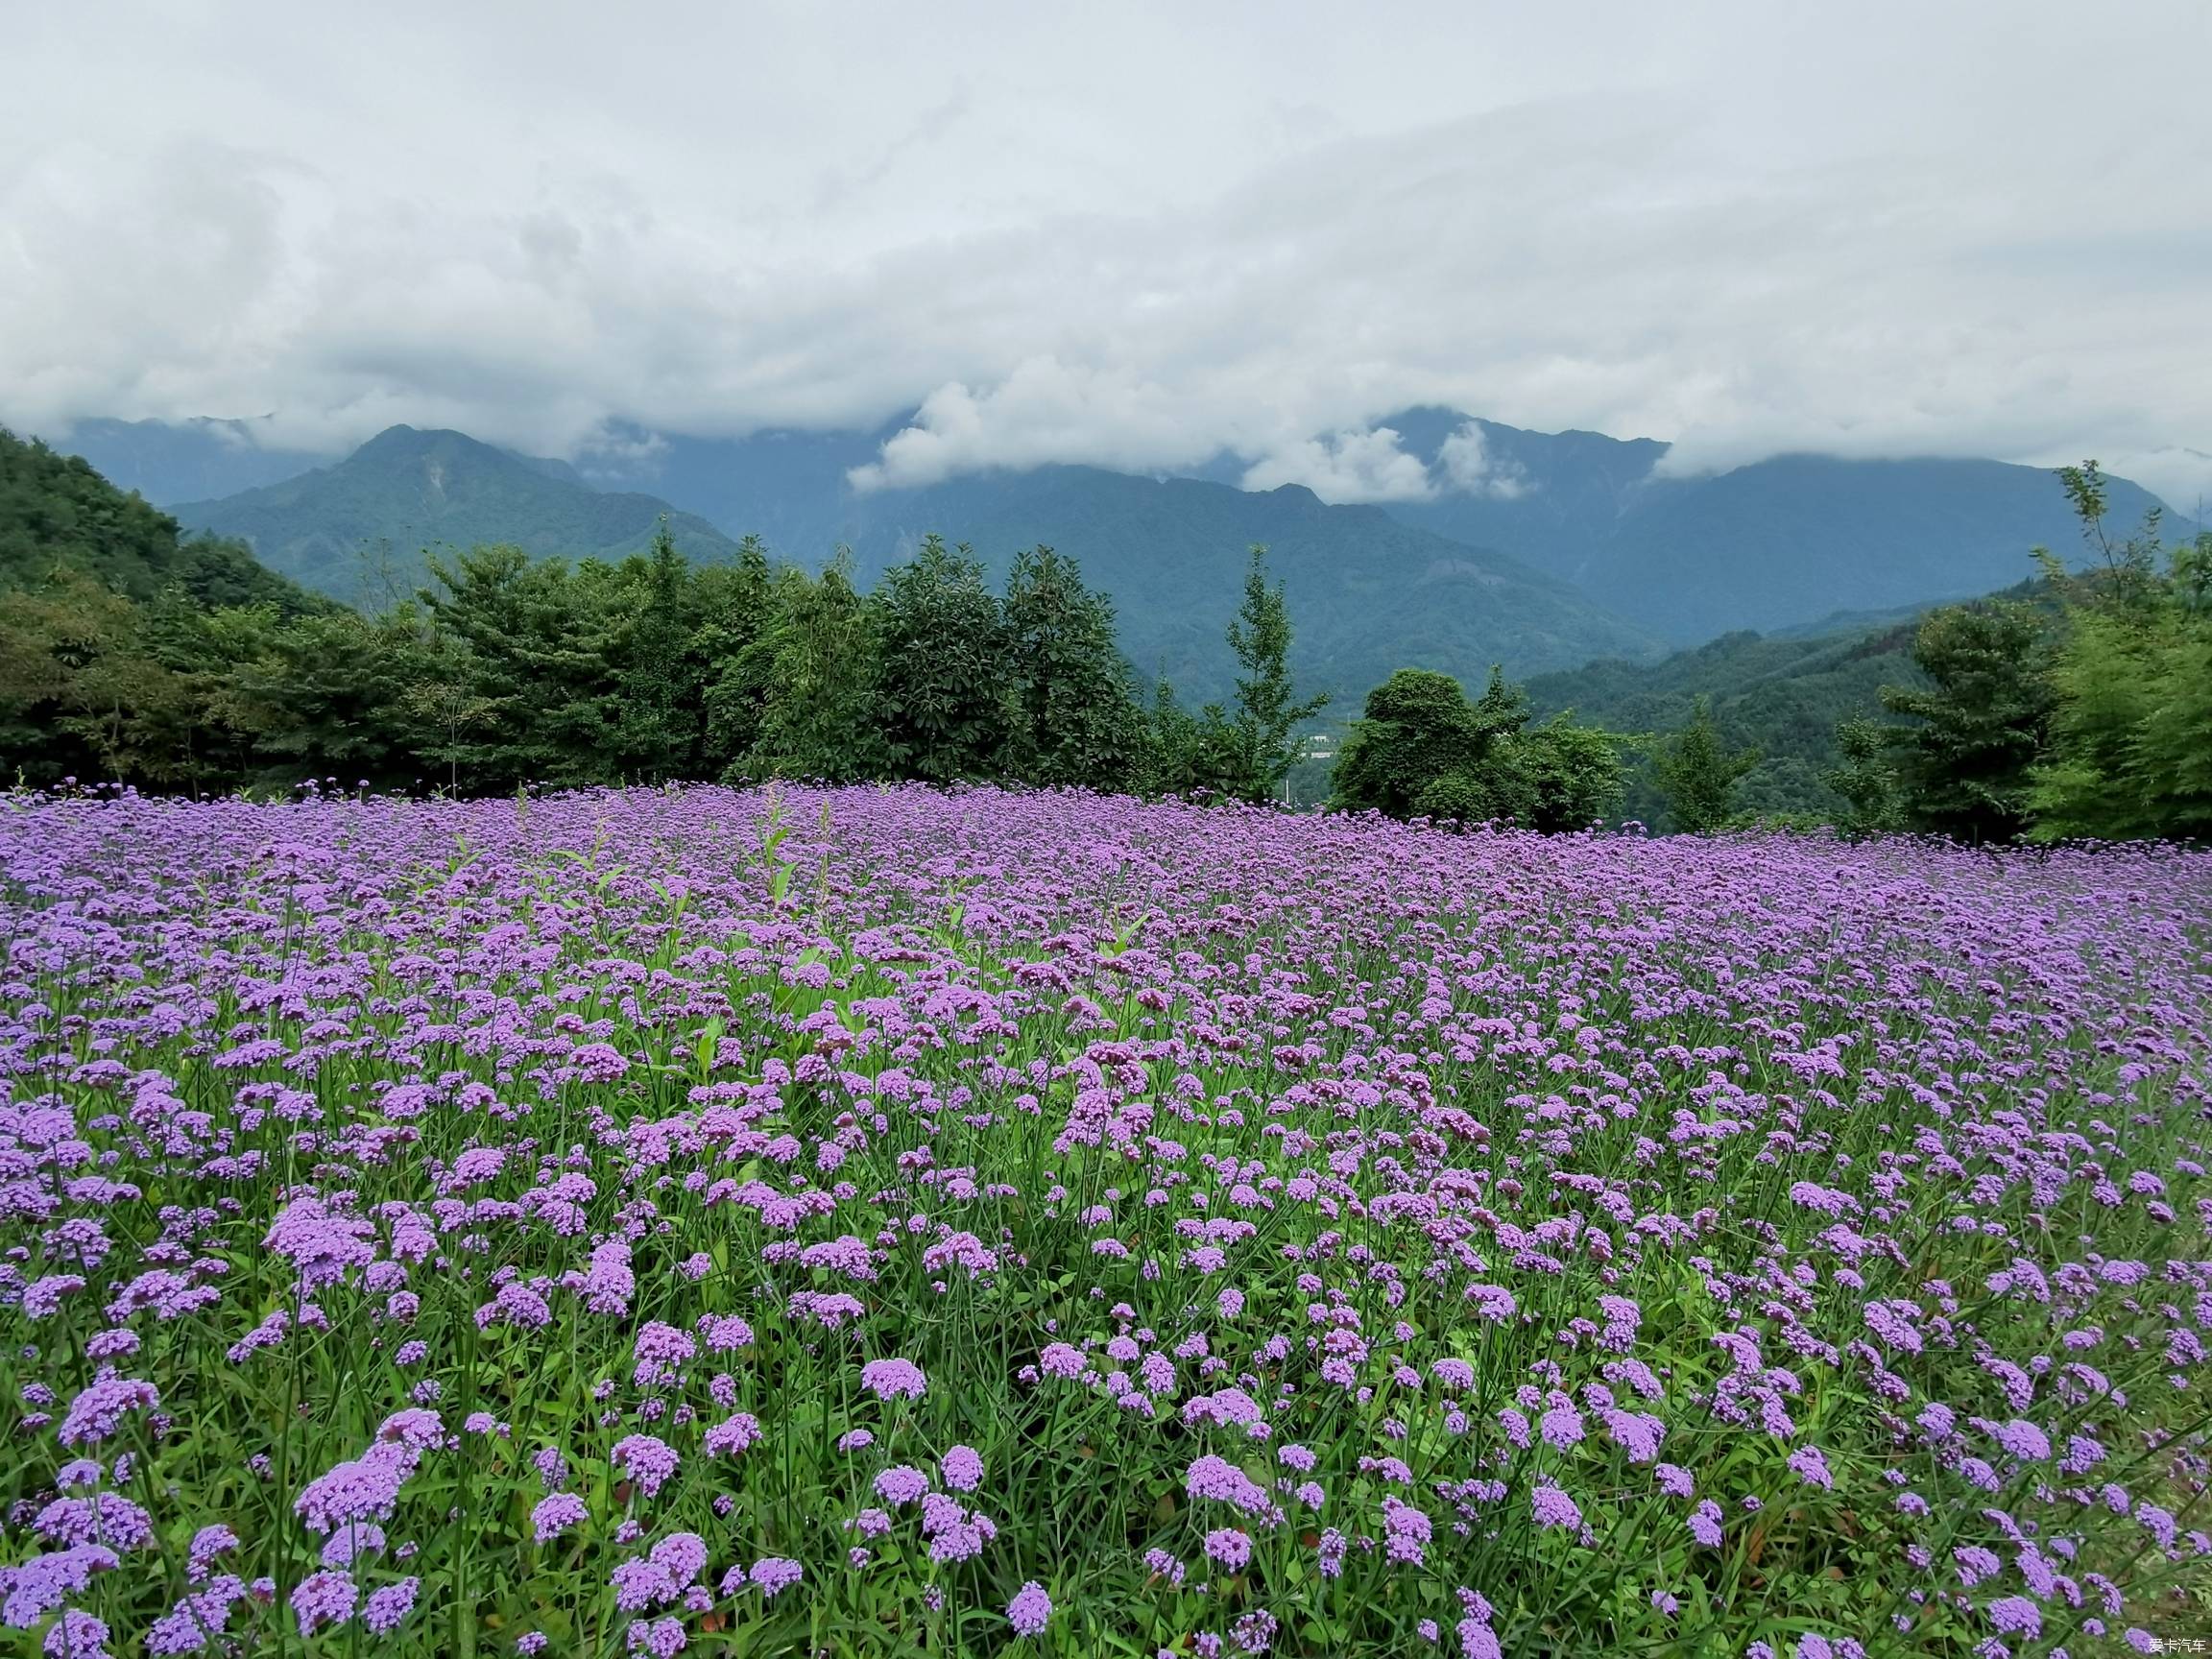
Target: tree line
x: 128, y: 653
x: 506, y: 671
x: 2084, y: 710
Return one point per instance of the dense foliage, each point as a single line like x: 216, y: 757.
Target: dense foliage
x: 509, y: 670
x: 2085, y: 713
x: 1782, y: 697
x: 892, y: 1220
x: 1420, y: 747
x: 1698, y: 777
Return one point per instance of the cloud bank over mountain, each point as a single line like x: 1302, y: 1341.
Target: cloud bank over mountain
x: 1141, y: 237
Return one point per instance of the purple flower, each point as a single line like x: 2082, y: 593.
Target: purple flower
x: 385, y: 1608
x: 1031, y: 1610
x: 894, y: 1378
x: 1705, y: 1524
x: 76, y: 1635
x: 98, y: 1412
x: 901, y: 1485
x: 322, y: 1599
x: 648, y: 1460
x: 557, y: 1514
x: 962, y: 1468
x: 1060, y: 1360
x: 773, y: 1573
x: 1229, y: 1548
x: 1812, y: 1467
x: 734, y: 1433
x: 1553, y: 1507
x: 363, y: 1488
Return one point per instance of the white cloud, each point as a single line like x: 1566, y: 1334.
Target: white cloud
x: 1469, y: 469
x: 1346, y: 467
x: 2179, y: 477
x: 1045, y: 410
x: 1742, y: 227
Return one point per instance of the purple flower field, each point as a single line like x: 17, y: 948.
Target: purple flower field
x: 883, y: 1221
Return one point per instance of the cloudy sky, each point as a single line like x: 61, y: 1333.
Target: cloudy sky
x: 1128, y: 234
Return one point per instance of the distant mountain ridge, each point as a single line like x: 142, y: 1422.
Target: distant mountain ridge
x: 337, y: 528
x: 195, y: 460
x: 1368, y: 593
x: 1769, y: 546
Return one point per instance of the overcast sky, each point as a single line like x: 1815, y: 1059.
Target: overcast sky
x: 1128, y: 234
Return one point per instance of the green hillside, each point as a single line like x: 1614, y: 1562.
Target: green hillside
x: 360, y: 527
x: 1781, y: 697
x: 58, y: 514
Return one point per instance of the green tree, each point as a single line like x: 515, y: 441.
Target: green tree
x: 1181, y: 753
x: 2130, y: 749
x: 1074, y: 720
x: 662, y: 709
x: 737, y: 605
x: 1420, y: 749
x: 1964, y: 768
x: 328, y: 695
x: 1865, y: 777
x: 940, y: 684
x: 1267, y: 712
x: 1571, y: 775
x: 818, y: 719
x: 1698, y: 777
x: 543, y: 651
x: 1415, y: 728
x: 93, y: 683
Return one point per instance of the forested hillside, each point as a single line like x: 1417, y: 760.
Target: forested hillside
x: 358, y: 529
x: 1782, y: 697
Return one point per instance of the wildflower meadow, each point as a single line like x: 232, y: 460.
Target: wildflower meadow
x: 884, y: 1221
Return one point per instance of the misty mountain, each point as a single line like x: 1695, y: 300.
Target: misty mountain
x: 1369, y: 594
x: 1767, y: 546
x: 173, y: 462
x: 359, y: 529
x: 1764, y: 546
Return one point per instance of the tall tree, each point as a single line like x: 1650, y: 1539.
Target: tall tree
x: 661, y: 707
x: 941, y: 685
x: 738, y: 607
x: 1698, y: 777
x: 1267, y: 712
x: 328, y: 695
x: 2129, y: 751
x: 1074, y: 720
x: 1964, y: 768
x: 819, y: 717
x: 1865, y: 777
x: 1415, y: 728
x: 543, y: 648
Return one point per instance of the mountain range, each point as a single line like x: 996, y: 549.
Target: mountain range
x: 1540, y: 550
x: 1365, y: 589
